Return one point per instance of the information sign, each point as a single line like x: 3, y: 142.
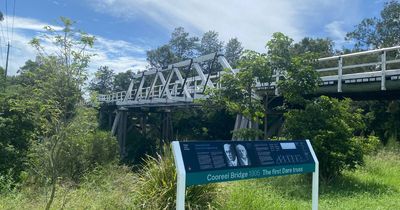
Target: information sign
x: 201, y: 162
x: 211, y: 161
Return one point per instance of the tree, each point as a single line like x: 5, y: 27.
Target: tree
x: 59, y: 93
x: 300, y: 80
x: 238, y: 92
x: 183, y: 46
x: 103, y: 80
x: 161, y: 57
x: 330, y: 125
x: 378, y: 32
x: 233, y: 51
x: 68, y: 64
x: 122, y: 80
x: 319, y: 47
x: 210, y: 43
x: 279, y: 51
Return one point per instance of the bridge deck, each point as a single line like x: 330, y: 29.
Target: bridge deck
x: 181, y: 83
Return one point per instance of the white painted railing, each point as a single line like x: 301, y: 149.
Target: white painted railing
x: 171, y: 85
x: 378, y: 70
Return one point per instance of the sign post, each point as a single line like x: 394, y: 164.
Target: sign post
x: 202, y: 162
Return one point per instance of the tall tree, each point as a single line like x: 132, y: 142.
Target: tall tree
x: 279, y: 51
x: 210, y: 43
x: 161, y: 56
x: 122, y: 80
x: 103, y: 80
x: 58, y: 94
x: 379, y: 32
x: 233, y: 51
x: 182, y: 45
x: 319, y: 47
x: 68, y: 64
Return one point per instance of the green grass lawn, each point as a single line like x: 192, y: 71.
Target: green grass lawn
x: 374, y: 186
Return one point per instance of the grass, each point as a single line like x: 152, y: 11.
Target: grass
x: 374, y: 186
x: 111, y: 187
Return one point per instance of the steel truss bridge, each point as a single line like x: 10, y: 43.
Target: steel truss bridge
x: 369, y: 74
x: 372, y: 71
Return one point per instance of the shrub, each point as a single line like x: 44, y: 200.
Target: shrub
x: 157, y: 186
x: 80, y: 147
x: 329, y: 124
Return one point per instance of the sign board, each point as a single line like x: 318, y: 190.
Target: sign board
x: 207, y: 162
x: 202, y: 162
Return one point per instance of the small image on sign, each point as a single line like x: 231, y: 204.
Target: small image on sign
x: 236, y: 155
x: 231, y: 156
x: 242, y: 155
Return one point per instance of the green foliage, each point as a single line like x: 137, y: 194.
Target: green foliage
x: 60, y: 74
x: 379, y: 32
x: 319, y: 47
x: 161, y: 56
x: 237, y: 94
x: 122, y: 81
x: 182, y: 45
x: 329, y: 124
x: 368, y: 145
x: 204, y: 123
x: 301, y: 79
x: 233, y: 51
x: 374, y: 186
x: 156, y: 186
x: 279, y: 51
x: 105, y: 187
x: 102, y: 81
x: 78, y: 147
x: 210, y: 43
x: 21, y: 121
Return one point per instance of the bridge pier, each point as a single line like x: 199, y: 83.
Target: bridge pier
x: 166, y: 128
x: 122, y: 131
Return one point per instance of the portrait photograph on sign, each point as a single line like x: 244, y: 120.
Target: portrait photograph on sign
x: 231, y: 156
x: 242, y: 155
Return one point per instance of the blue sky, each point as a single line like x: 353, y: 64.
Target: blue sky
x: 125, y: 29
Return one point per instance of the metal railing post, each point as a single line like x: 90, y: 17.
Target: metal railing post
x: 277, y: 75
x: 383, y: 69
x: 340, y: 74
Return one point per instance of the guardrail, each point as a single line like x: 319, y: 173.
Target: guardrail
x: 367, y: 70
x: 367, y: 66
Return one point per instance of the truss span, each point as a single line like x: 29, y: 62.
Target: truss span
x: 182, y: 83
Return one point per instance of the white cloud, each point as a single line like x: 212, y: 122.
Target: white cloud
x: 253, y: 22
x: 119, y: 55
x: 29, y: 24
x: 336, y: 32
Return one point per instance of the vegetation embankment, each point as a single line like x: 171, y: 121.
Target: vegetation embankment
x: 54, y: 154
x: 373, y: 186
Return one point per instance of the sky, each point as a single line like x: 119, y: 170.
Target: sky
x: 126, y: 29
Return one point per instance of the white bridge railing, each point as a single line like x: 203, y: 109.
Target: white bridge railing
x: 367, y: 66
x: 187, y: 80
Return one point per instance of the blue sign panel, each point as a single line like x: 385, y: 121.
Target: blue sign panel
x: 218, y: 161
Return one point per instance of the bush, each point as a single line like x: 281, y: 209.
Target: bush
x: 330, y: 124
x: 80, y: 147
x: 157, y: 186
